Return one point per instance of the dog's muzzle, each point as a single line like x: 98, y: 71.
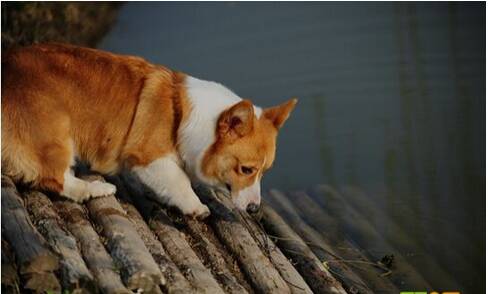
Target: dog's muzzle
x: 249, y: 199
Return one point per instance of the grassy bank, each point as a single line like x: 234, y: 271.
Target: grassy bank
x: 24, y: 23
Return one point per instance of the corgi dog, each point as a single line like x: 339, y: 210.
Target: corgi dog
x: 115, y: 112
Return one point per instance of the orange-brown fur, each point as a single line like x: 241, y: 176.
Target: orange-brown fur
x: 243, y: 140
x: 112, y: 111
x: 109, y: 110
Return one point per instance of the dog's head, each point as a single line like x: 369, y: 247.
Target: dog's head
x: 244, y: 149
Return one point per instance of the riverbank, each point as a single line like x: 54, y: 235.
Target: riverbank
x: 24, y: 23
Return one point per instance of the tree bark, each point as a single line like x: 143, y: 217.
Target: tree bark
x: 74, y: 273
x: 403, y: 271
x: 172, y: 240
x: 258, y: 268
x: 312, y: 270
x: 10, y: 279
x: 35, y: 261
x: 175, y: 281
x: 97, y: 259
x: 214, y: 258
x: 139, y: 270
x: 288, y: 272
x: 182, y: 253
x: 41, y: 282
x: 341, y: 256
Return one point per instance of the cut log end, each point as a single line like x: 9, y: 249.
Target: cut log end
x: 42, y: 282
x: 44, y: 262
x: 31, y: 250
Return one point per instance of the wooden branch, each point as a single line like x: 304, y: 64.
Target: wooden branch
x: 10, y: 279
x: 360, y: 225
x: 74, y: 273
x: 288, y: 272
x: 173, y: 241
x: 400, y: 240
x: 35, y: 261
x: 214, y: 257
x: 313, y: 271
x: 96, y: 257
x: 182, y: 253
x: 258, y: 268
x: 175, y: 281
x: 139, y: 270
x: 331, y: 245
x: 41, y: 282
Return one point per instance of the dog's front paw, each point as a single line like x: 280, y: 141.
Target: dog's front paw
x: 99, y: 189
x: 200, y: 212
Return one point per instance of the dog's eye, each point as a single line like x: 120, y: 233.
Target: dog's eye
x: 247, y: 170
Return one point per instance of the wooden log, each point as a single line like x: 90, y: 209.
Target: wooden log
x: 311, y: 268
x: 34, y: 259
x: 96, y: 257
x: 288, y: 272
x: 401, y: 240
x: 213, y: 256
x: 353, y: 269
x: 175, y: 281
x: 403, y: 271
x: 139, y: 270
x: 74, y: 273
x: 182, y: 253
x: 172, y: 240
x: 41, y: 282
x: 349, y: 263
x: 258, y: 268
x: 10, y: 278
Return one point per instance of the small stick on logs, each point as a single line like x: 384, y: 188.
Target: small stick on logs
x: 97, y: 259
x: 359, y: 224
x: 35, y: 261
x: 175, y: 281
x: 139, y: 270
x: 10, y: 279
x: 258, y: 268
x: 332, y: 247
x: 287, y: 271
x: 74, y: 273
x: 214, y: 257
x: 182, y: 253
x: 400, y: 240
x: 313, y: 271
x: 173, y: 241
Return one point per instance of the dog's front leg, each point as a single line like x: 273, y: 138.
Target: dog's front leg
x: 171, y: 185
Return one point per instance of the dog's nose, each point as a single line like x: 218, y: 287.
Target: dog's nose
x: 252, y: 208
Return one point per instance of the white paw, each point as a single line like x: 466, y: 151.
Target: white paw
x: 199, y: 211
x: 98, y: 189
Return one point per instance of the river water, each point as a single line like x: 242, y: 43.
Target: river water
x: 391, y: 105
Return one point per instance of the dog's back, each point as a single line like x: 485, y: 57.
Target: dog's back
x: 61, y: 101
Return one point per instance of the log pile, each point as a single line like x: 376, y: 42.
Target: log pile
x: 128, y: 243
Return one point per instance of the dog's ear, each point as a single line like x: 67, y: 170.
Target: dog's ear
x: 236, y: 121
x: 279, y: 114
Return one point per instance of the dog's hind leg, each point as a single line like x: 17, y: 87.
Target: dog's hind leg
x: 79, y: 190
x: 56, y: 157
x: 57, y: 176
